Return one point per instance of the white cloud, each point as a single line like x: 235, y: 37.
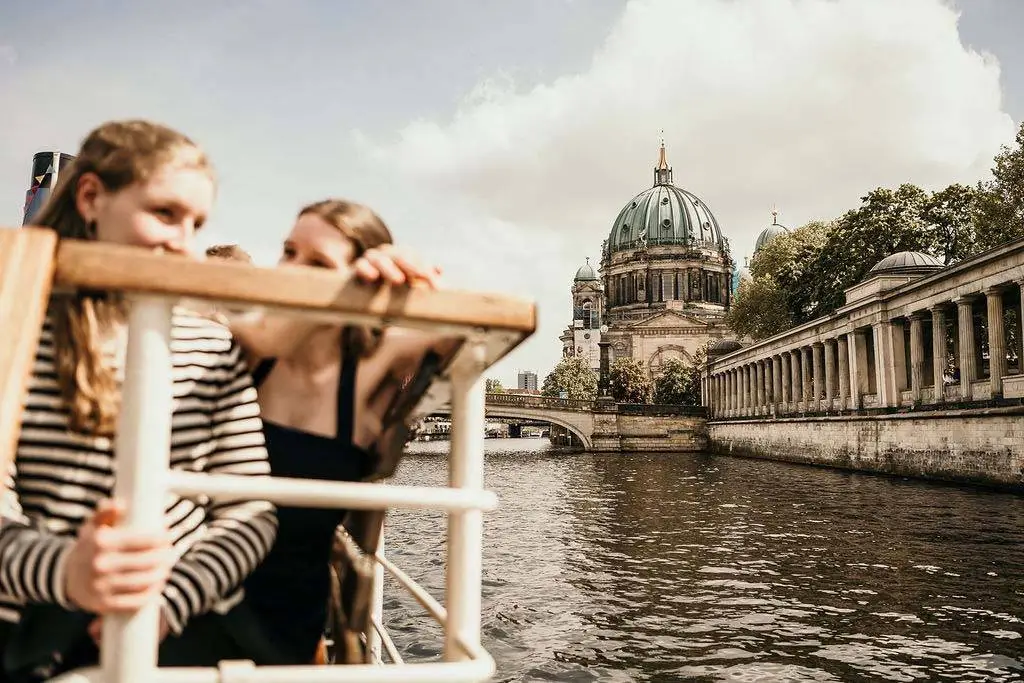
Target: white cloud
x: 805, y: 104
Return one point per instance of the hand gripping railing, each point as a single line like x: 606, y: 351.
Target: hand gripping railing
x: 490, y: 325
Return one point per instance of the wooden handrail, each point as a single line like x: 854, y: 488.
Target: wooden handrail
x: 26, y: 274
x: 92, y: 265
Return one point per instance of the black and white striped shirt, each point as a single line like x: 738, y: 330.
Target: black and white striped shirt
x: 60, y: 476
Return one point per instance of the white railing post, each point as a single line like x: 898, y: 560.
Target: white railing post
x: 130, y: 642
x: 465, y: 527
x: 373, y: 641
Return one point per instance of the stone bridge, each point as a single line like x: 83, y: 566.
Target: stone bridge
x: 575, y: 416
x: 605, y: 425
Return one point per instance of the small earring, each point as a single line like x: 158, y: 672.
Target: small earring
x: 90, y: 229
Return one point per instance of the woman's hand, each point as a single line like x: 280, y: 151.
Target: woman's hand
x: 386, y: 263
x: 112, y: 569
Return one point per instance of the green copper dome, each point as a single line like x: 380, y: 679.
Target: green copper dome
x: 665, y: 215
x: 774, y: 230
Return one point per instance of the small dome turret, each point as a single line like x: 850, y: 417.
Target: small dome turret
x: 770, y: 233
x: 907, y: 263
x: 723, y: 346
x: 585, y: 273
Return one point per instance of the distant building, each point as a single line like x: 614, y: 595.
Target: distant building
x: 46, y: 166
x: 528, y: 380
x: 662, y: 287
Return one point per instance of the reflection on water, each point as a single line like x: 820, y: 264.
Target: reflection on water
x: 680, y: 567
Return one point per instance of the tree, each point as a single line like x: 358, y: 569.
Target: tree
x: 787, y: 261
x: 888, y: 221
x: 1001, y: 200
x: 953, y: 215
x: 679, y: 383
x: 573, y: 376
x: 760, y: 309
x: 494, y: 386
x: 629, y: 381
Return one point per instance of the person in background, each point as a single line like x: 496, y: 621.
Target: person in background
x: 323, y: 392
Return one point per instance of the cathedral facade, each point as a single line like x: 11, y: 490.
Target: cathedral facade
x: 663, y: 285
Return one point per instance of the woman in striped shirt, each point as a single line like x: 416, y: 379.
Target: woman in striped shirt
x: 63, y: 558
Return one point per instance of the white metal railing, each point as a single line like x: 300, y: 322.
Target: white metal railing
x: 130, y: 642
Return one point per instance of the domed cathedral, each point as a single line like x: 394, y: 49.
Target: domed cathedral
x: 664, y: 283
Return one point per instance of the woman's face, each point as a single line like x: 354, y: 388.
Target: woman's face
x: 315, y: 242
x: 162, y: 213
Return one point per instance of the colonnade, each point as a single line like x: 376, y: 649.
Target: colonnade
x: 948, y: 351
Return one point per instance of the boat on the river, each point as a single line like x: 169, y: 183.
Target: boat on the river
x: 33, y: 264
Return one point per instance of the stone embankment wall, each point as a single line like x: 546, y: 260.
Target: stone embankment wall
x: 649, y: 428
x: 970, y: 445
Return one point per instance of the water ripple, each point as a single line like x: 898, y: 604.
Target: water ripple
x: 679, y: 567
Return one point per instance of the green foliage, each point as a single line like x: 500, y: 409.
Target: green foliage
x: 573, y: 376
x: 759, y: 310
x: 679, y: 383
x: 1001, y: 200
x: 494, y: 386
x: 629, y: 381
x: 803, y: 275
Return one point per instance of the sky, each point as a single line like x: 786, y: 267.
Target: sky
x: 500, y: 139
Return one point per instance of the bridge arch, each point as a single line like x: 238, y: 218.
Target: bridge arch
x: 580, y: 431
x: 575, y: 416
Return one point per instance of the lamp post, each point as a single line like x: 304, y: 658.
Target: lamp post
x: 604, y: 382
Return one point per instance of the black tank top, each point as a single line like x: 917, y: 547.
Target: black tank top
x: 290, y: 589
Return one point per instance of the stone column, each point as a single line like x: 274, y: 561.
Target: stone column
x: 965, y: 327
x: 797, y: 389
x: 939, y: 353
x: 819, y: 375
x: 860, y: 383
x: 737, y: 381
x: 758, y: 387
x: 720, y: 387
x: 766, y: 380
x: 916, y: 356
x: 843, y: 345
x: 784, y: 378
x: 726, y: 393
x: 899, y: 360
x: 740, y: 402
x: 996, y: 341
x: 748, y: 385
x: 805, y: 376
x: 734, y: 390
x: 776, y: 382
x: 752, y: 389
x: 885, y: 375
x: 830, y: 372
x: 723, y: 393
x: 1020, y: 329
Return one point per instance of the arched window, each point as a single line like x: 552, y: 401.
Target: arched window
x: 588, y: 315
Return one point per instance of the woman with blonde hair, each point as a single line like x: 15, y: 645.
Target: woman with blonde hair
x: 324, y: 390
x: 65, y: 561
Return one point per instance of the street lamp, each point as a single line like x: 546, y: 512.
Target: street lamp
x: 604, y: 381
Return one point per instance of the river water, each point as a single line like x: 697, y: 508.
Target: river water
x: 655, y: 567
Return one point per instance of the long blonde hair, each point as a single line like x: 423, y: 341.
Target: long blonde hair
x: 365, y: 228
x: 120, y: 154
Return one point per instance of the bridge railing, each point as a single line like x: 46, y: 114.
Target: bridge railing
x: 528, y: 401
x: 31, y: 261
